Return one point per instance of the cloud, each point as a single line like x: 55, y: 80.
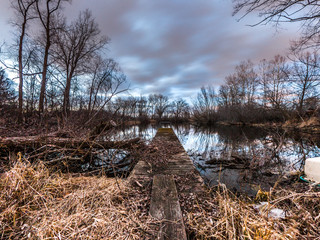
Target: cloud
x: 175, y: 47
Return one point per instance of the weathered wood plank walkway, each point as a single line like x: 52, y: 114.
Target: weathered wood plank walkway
x: 165, y: 207
x: 164, y: 197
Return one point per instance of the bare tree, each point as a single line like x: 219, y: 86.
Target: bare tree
x: 31, y: 93
x: 116, y: 85
x: 205, y: 106
x: 279, y: 11
x: 31, y: 74
x: 101, y: 77
x: 75, y: 47
x: 159, y: 103
x: 276, y: 85
x: 263, y: 80
x: 23, y: 16
x: 142, y: 108
x: 231, y: 90
x: 224, y: 96
x: 151, y: 105
x: 47, y: 10
x: 239, y: 97
x: 127, y: 107
x: 240, y: 87
x: 305, y: 77
x: 132, y: 102
x: 6, y: 90
x: 180, y: 109
x: 55, y: 88
x: 247, y: 81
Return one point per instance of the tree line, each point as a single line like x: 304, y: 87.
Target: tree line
x: 60, y: 64
x: 156, y: 107
x: 274, y: 90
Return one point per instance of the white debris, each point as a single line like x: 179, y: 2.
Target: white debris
x: 265, y: 208
x: 277, y: 213
x: 312, y: 169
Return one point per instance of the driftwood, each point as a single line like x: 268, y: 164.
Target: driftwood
x: 75, y: 155
x: 39, y: 141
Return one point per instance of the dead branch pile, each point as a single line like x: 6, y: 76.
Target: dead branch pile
x: 158, y: 152
x: 72, y: 154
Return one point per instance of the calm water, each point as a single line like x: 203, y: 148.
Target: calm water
x: 242, y: 158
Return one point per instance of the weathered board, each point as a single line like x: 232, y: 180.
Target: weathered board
x: 164, y: 197
x: 166, y: 208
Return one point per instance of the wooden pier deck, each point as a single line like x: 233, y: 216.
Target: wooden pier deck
x: 177, y: 176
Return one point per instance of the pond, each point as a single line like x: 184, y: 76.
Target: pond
x: 246, y: 159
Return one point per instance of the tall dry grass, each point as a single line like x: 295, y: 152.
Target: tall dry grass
x: 225, y: 216
x: 38, y: 204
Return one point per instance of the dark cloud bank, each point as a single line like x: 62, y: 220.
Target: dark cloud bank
x: 175, y: 47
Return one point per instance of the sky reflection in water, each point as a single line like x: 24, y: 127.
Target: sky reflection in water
x: 269, y: 154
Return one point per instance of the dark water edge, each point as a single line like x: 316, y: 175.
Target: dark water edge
x: 246, y: 159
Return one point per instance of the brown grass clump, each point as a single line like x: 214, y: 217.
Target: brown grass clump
x: 225, y: 216
x: 37, y: 204
x: 313, y: 121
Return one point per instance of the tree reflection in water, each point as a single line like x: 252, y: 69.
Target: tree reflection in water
x: 243, y: 158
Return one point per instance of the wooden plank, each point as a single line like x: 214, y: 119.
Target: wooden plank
x: 164, y: 197
x: 165, y: 207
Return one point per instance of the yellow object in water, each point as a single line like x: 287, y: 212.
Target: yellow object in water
x: 262, y: 196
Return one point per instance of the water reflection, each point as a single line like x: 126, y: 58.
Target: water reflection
x: 146, y: 132
x: 245, y: 159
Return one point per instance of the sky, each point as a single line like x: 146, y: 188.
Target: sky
x: 174, y: 47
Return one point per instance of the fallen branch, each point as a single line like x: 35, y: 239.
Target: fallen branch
x: 14, y: 143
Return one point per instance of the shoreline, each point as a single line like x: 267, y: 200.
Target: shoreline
x: 309, y: 126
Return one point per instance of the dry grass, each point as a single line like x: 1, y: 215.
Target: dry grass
x: 225, y: 216
x: 313, y: 121
x: 38, y: 204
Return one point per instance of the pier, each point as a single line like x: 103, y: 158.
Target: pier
x: 175, y: 178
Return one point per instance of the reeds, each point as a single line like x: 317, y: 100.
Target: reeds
x: 225, y: 216
x: 38, y: 204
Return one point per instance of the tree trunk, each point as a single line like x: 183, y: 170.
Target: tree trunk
x: 66, y: 100
x: 21, y: 71
x: 44, y: 70
x: 34, y: 142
